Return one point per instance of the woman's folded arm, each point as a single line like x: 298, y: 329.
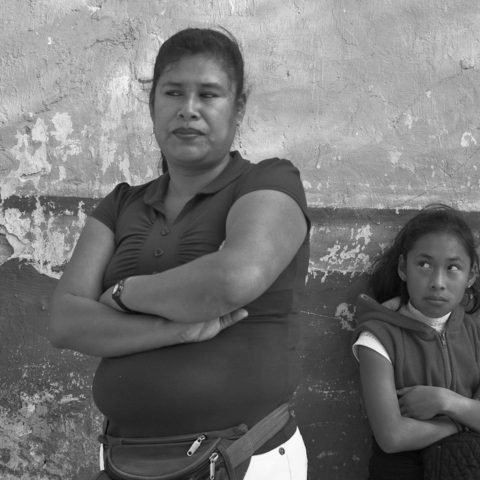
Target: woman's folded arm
x: 264, y: 231
x: 78, y: 321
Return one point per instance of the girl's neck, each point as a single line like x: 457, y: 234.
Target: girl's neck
x: 436, y: 323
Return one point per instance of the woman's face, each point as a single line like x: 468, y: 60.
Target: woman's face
x: 195, y: 113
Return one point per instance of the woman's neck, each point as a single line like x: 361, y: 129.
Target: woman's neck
x: 187, y: 183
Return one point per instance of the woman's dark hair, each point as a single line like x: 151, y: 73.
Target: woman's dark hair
x: 223, y: 47
x: 436, y: 218
x: 205, y: 41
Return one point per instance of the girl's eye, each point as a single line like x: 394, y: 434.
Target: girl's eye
x: 423, y: 264
x: 454, y: 268
x: 208, y: 95
x: 173, y: 93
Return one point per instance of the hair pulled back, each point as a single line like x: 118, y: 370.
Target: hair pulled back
x: 436, y: 218
x: 223, y: 47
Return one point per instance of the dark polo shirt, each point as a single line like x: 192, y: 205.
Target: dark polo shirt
x: 238, y: 376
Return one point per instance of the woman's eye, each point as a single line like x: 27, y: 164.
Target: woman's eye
x: 208, y: 95
x: 454, y: 268
x: 172, y: 93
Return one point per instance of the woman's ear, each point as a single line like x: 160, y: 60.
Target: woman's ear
x: 241, y: 107
x: 402, y: 268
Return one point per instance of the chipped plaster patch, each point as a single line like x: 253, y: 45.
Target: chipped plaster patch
x: 34, y: 153
x: 409, y: 119
x: 43, y: 240
x: 349, y: 258
x: 394, y: 156
x: 346, y: 316
x: 117, y: 96
x: 468, y: 140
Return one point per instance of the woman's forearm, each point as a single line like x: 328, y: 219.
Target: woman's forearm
x: 208, y: 287
x: 87, y: 326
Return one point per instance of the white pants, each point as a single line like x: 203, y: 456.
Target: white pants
x: 286, y: 462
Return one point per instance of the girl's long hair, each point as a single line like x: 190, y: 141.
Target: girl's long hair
x: 436, y: 218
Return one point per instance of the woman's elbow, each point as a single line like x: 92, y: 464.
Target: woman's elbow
x: 58, y: 332
x: 244, y: 286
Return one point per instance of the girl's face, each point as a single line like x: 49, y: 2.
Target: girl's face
x: 437, y: 271
x: 195, y: 113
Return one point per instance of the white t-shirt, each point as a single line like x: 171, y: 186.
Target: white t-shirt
x: 368, y: 339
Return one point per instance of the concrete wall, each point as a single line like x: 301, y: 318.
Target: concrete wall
x: 377, y: 103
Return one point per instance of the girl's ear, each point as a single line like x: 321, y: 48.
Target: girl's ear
x: 472, y: 277
x: 402, y: 268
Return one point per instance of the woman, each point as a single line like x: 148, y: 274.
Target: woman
x: 164, y: 274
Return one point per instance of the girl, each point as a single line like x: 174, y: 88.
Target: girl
x: 417, y: 349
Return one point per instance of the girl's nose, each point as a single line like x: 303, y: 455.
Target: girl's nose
x: 189, y: 108
x: 437, y: 281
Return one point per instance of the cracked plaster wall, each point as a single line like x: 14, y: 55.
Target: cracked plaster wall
x: 377, y: 103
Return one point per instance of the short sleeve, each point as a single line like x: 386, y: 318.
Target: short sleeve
x: 107, y: 210
x: 275, y: 174
x: 369, y: 340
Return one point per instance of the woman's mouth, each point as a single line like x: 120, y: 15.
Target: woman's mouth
x: 184, y: 132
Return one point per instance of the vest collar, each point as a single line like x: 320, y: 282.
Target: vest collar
x: 370, y: 309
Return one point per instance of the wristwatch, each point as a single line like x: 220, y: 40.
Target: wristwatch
x: 116, y: 295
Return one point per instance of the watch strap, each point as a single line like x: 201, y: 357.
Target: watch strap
x: 117, y: 295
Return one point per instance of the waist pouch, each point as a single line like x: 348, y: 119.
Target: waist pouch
x: 208, y: 455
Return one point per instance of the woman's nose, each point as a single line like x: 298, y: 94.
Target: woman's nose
x: 189, y: 108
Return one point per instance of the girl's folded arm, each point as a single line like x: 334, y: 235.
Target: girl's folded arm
x: 393, y: 432
x: 464, y: 410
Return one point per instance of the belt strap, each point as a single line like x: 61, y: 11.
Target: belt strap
x: 243, y: 448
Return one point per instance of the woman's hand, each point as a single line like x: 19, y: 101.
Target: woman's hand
x: 422, y: 402
x: 199, y: 332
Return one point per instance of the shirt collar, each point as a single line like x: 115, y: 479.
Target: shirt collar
x: 235, y: 167
x: 155, y: 192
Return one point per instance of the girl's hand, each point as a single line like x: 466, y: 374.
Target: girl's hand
x: 422, y: 402
x: 199, y: 332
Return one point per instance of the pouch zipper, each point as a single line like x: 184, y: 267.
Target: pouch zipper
x: 195, y: 445
x: 213, y: 460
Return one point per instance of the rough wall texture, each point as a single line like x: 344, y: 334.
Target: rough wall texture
x: 376, y: 102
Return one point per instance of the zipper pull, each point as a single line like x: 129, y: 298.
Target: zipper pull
x: 194, y: 446
x: 213, y: 460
